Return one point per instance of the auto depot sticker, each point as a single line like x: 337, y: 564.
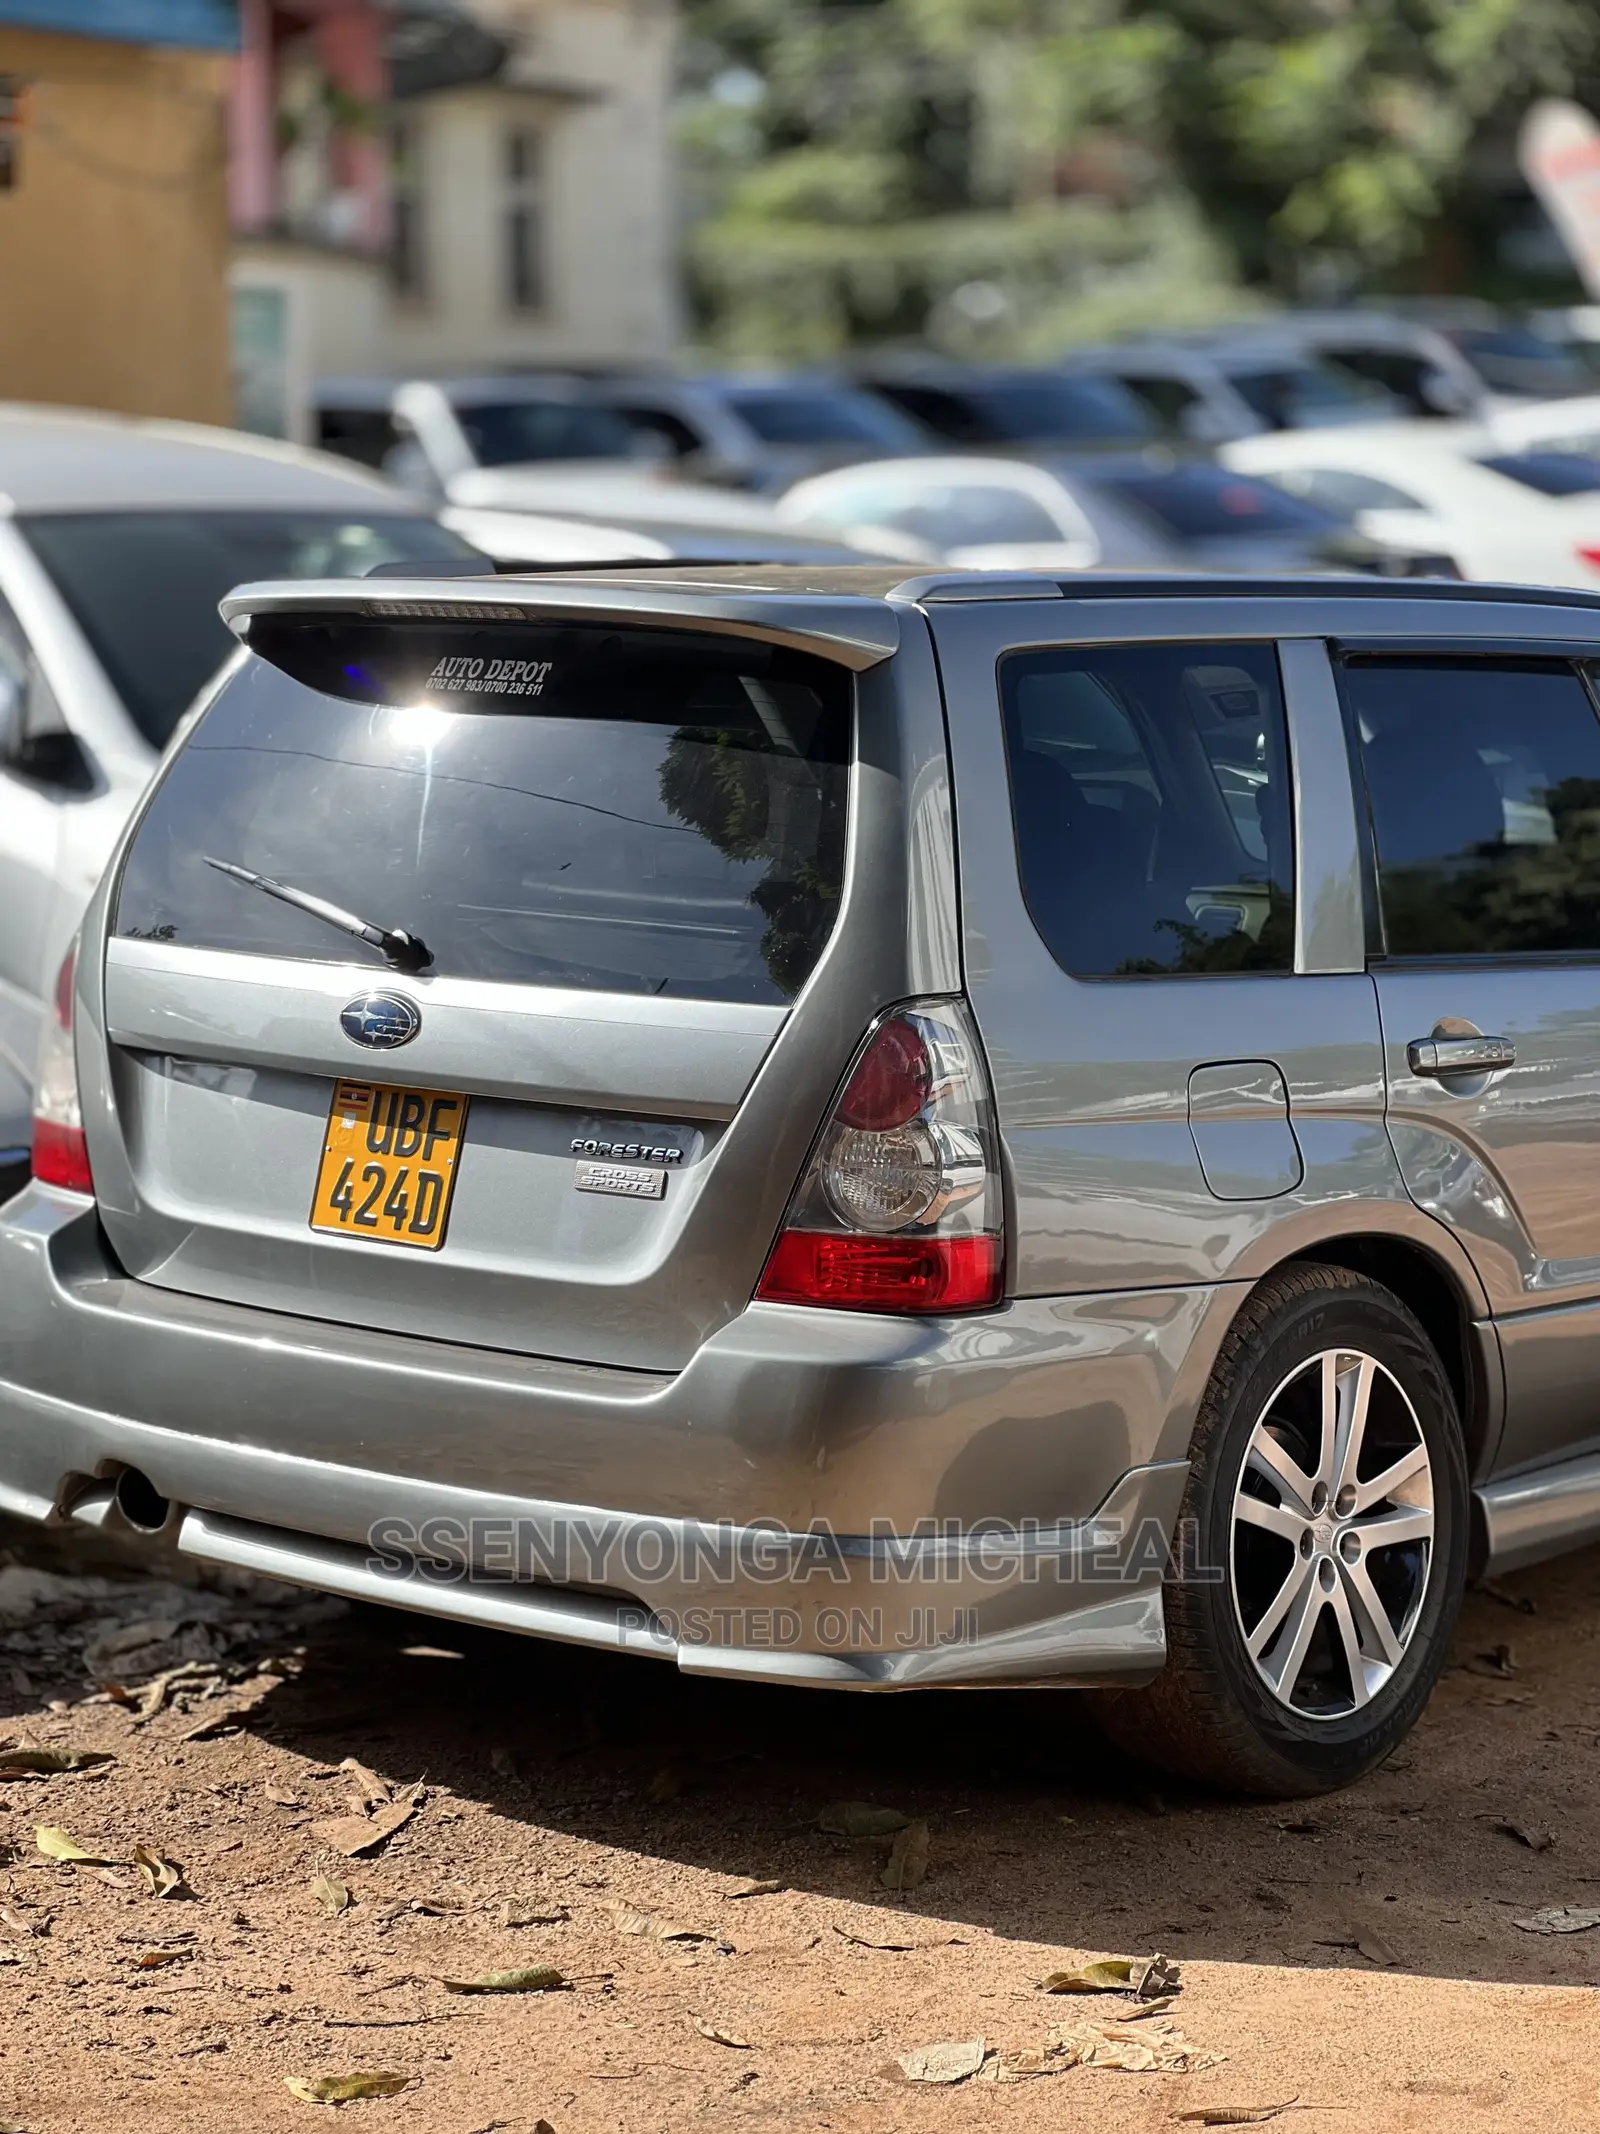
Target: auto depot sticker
x: 464, y: 676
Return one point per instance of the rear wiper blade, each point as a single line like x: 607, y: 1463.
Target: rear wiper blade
x: 407, y: 952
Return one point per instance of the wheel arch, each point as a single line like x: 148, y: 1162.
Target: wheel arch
x: 1434, y: 1292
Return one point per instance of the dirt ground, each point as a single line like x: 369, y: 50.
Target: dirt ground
x: 1359, y: 1956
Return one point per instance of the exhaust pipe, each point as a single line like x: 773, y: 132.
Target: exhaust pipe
x: 128, y: 1503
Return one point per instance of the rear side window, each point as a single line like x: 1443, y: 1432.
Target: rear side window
x: 624, y: 811
x: 1202, y: 503
x: 1549, y: 473
x: 1483, y: 782
x: 1149, y: 789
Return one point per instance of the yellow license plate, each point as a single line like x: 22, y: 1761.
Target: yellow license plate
x: 389, y: 1164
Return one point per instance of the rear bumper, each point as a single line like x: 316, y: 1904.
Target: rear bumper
x: 817, y: 1498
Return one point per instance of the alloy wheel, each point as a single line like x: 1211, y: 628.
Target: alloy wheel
x: 1331, y: 1534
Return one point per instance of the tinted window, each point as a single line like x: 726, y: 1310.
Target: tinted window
x: 510, y: 433
x: 1203, y: 503
x: 1341, y: 491
x: 780, y: 416
x: 1484, y: 785
x: 1403, y: 374
x: 626, y: 811
x: 143, y: 586
x: 1550, y: 473
x: 365, y: 434
x: 1150, y: 794
x: 1168, y: 399
x: 1287, y: 395
x: 1013, y: 410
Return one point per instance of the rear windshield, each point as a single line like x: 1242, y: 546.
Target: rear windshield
x: 1549, y: 473
x: 781, y: 416
x: 1012, y: 410
x: 514, y: 432
x: 143, y: 586
x: 1203, y: 503
x: 623, y: 811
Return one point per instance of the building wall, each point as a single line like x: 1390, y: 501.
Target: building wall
x: 114, y: 238
x: 593, y: 80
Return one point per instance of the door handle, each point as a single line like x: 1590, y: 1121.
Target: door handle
x: 1436, y: 1056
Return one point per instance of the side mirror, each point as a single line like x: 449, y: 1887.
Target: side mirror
x: 12, y: 706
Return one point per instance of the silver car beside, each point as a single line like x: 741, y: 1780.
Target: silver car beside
x: 852, y: 1131
x: 117, y: 539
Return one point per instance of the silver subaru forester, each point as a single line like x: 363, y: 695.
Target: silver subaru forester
x: 964, y: 1132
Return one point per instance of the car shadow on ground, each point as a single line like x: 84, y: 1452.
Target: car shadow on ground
x: 1039, y: 1831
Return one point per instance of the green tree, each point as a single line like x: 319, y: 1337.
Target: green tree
x: 1005, y: 176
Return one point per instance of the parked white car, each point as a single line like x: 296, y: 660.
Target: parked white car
x: 117, y: 540
x: 1111, y: 510
x: 1501, y: 513
x: 1551, y: 425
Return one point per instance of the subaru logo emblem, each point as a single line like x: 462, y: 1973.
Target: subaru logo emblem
x: 382, y: 1021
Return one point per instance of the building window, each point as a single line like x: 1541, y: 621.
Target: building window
x: 11, y: 114
x: 407, y: 264
x: 526, y: 280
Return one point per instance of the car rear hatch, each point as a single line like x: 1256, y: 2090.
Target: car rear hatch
x: 639, y: 863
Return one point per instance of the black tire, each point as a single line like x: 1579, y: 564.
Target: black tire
x: 1210, y: 1717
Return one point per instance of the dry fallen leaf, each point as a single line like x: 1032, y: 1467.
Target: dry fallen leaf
x: 1560, y: 1919
x: 45, y: 1763
x: 356, y: 1834
x: 719, y: 2036
x: 27, y: 1924
x: 1499, y: 1662
x: 542, y: 1979
x: 952, y: 2061
x: 58, y: 1844
x: 1235, y: 2115
x: 344, y: 2089
x: 1145, y: 1977
x: 374, y: 1791
x: 282, y: 1796
x: 1526, y: 1834
x: 1148, y: 2048
x: 908, y: 1858
x: 860, y: 1819
x: 665, y: 1786
x: 627, y: 1920
x: 161, y: 1877
x: 1365, y: 1940
x: 755, y: 1889
x: 157, y: 1959
x: 334, y: 1897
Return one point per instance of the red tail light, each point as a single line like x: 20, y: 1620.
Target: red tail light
x: 899, y: 1210
x: 60, y: 1152
x: 1589, y: 555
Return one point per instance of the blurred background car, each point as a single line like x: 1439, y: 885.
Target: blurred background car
x: 759, y: 432
x: 1570, y: 426
x: 1511, y: 357
x: 117, y: 540
x: 423, y: 432
x: 997, y: 407
x: 1125, y: 511
x: 1208, y: 388
x: 615, y: 519
x: 1516, y: 516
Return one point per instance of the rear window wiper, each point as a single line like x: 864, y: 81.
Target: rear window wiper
x: 407, y: 952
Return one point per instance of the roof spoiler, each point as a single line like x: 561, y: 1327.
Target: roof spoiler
x: 852, y: 629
